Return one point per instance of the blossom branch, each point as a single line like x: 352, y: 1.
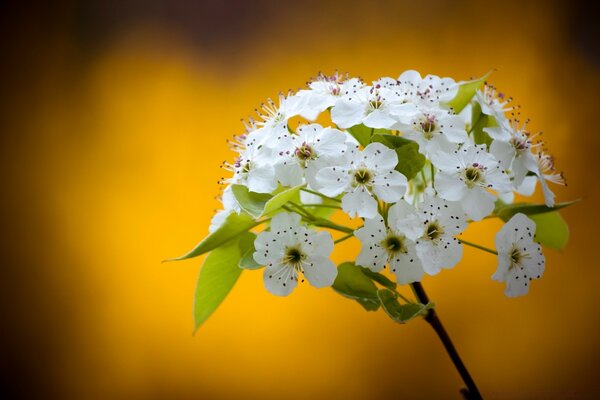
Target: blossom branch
x: 471, y: 392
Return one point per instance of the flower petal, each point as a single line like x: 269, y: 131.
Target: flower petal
x: 320, y: 271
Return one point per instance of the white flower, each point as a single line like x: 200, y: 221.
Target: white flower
x: 363, y: 174
x: 435, y: 129
x: 274, y: 120
x: 433, y: 228
x: 375, y: 106
x: 520, y: 259
x: 253, y: 168
x: 514, y: 154
x: 304, y: 154
x: 289, y: 249
x: 430, y: 90
x: 546, y: 172
x: 381, y: 245
x: 466, y: 175
x: 324, y: 92
x: 492, y: 102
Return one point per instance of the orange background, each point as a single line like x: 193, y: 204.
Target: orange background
x: 115, y: 118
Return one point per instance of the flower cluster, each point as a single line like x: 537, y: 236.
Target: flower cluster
x: 413, y: 160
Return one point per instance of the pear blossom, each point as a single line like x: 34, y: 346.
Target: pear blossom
x: 514, y: 154
x: 373, y: 106
x: 428, y: 91
x: 435, y: 129
x: 254, y: 169
x: 520, y: 258
x: 466, y: 175
x: 381, y: 245
x: 324, y: 92
x: 273, y: 123
x: 492, y: 102
x: 547, y: 173
x: 362, y: 175
x: 290, y: 249
x: 433, y: 229
x: 304, y: 154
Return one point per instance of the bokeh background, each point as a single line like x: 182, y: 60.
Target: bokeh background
x: 114, y: 116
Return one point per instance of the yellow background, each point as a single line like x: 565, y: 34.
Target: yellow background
x: 112, y: 140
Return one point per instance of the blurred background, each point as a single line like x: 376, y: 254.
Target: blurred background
x: 114, y: 117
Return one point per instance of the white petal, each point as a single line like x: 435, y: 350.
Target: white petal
x: 373, y: 231
x: 407, y: 267
x: 279, y: 279
x: 503, y: 152
x: 285, y: 222
x: 403, y: 218
x: 290, y: 173
x: 450, y: 187
x: 379, y: 157
x: 447, y: 162
x: 359, y: 202
x: 262, y: 179
x: 498, y: 133
x: 372, y: 256
x: 390, y: 187
x: 333, y: 180
x: 346, y: 114
x: 322, y: 244
x: 319, y: 271
x: 478, y: 203
x: 379, y: 120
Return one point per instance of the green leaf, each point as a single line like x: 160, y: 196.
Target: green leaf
x: 251, y: 202
x: 410, y: 161
x: 506, y: 211
x: 362, y: 133
x: 281, y: 198
x: 218, y: 275
x: 479, y: 135
x: 551, y: 230
x: 234, y: 225
x: 466, y: 91
x: 379, y: 278
x: 247, y: 261
x: 259, y: 204
x: 351, y: 282
x: 401, y: 313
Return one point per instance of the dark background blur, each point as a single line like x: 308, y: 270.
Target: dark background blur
x: 114, y: 116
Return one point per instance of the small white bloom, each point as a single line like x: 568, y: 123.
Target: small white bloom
x: 381, y: 245
x: 273, y: 125
x: 435, y: 129
x: 433, y: 228
x: 375, y: 106
x: 253, y: 168
x: 304, y: 154
x: 428, y: 91
x: 493, y: 103
x: 520, y: 259
x: 289, y: 249
x: 363, y: 174
x: 324, y: 92
x: 514, y: 153
x: 547, y: 173
x: 466, y: 175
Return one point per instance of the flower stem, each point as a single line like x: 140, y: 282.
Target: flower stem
x: 348, y: 236
x: 320, y: 195
x: 323, y: 206
x: 328, y: 224
x: 470, y: 392
x: 477, y: 246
